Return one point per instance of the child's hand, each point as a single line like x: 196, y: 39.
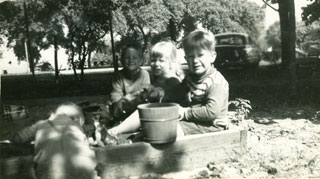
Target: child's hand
x: 155, y: 92
x: 129, y: 97
x: 144, y: 93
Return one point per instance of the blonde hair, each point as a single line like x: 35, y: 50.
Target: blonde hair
x: 199, y: 39
x: 71, y: 110
x: 169, y: 49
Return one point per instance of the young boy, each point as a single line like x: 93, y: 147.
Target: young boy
x: 129, y: 83
x: 207, y: 89
x: 60, y: 146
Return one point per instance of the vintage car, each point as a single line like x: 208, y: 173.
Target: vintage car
x: 236, y: 50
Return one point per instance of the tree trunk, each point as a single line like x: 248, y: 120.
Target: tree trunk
x: 29, y: 55
x: 115, y: 60
x: 89, y: 58
x: 56, y: 67
x: 72, y: 60
x: 83, y: 60
x: 288, y: 41
x: 79, y: 60
x: 172, y: 30
x: 145, y: 38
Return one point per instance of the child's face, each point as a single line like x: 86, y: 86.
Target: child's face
x: 160, y: 65
x: 131, y: 59
x: 200, y: 60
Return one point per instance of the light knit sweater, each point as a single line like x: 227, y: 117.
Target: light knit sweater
x: 125, y: 84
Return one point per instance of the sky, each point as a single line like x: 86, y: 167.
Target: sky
x: 10, y: 63
x: 273, y: 16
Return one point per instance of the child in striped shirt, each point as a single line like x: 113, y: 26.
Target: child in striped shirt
x: 208, y: 91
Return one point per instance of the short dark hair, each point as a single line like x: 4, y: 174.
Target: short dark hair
x: 131, y: 45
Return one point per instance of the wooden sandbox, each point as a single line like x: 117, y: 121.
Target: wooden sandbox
x: 186, y: 153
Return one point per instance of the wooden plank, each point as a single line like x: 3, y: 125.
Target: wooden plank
x: 186, y: 153
x: 189, y: 152
x: 17, y: 167
x: 57, y: 101
x: 13, y: 150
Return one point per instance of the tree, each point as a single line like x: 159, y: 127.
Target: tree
x: 86, y: 22
x: 288, y: 39
x: 273, y: 36
x: 50, y: 17
x: 86, y: 26
x: 311, y: 17
x: 308, y: 38
x: 159, y: 20
x: 227, y: 16
x: 311, y: 13
x: 102, y: 57
x: 308, y: 33
x: 23, y: 31
x: 142, y: 19
x: 177, y: 12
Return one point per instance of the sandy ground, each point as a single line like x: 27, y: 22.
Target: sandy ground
x: 287, y: 146
x: 284, y: 149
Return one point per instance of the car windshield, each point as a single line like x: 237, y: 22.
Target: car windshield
x: 230, y: 40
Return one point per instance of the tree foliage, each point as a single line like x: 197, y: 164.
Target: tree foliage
x: 311, y: 13
x: 228, y: 16
x: 139, y: 22
x: 273, y: 37
x: 86, y: 23
x: 16, y: 24
x: 160, y: 20
x: 305, y: 34
x: 308, y: 33
x: 80, y: 26
x: 308, y: 37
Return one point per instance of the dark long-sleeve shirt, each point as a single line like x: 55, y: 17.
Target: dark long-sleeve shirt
x: 208, y: 98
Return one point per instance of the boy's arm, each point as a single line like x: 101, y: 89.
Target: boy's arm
x: 117, y: 89
x: 215, y: 106
x: 116, y: 95
x: 27, y: 134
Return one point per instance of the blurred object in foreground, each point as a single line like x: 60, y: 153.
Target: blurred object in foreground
x: 14, y: 112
